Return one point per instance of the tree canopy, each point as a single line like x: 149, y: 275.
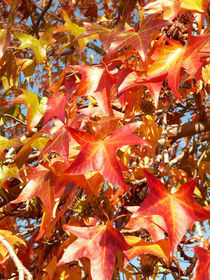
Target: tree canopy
x: 104, y: 130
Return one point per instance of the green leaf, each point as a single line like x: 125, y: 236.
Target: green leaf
x: 39, y: 46
x: 74, y: 28
x: 35, y: 109
x: 7, y: 172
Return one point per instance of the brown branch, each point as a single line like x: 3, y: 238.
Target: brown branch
x: 162, y: 141
x: 188, y: 129
x: 130, y: 231
x: 42, y: 15
x: 13, y: 118
x: 22, y: 271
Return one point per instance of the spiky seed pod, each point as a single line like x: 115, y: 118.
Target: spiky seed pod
x: 83, y: 208
x: 147, y: 105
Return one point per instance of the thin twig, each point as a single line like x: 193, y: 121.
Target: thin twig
x: 22, y: 271
x: 84, y: 276
x: 198, y: 163
x: 42, y: 15
x: 181, y: 156
x: 13, y: 118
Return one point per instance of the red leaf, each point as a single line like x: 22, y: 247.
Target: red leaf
x: 168, y: 60
x: 4, y: 41
x: 39, y: 185
x: 96, y: 81
x: 202, y: 271
x: 48, y: 183
x: 98, y: 243
x: 154, y: 224
x: 56, y: 104
x: 179, y: 210
x: 59, y: 144
x: 99, y: 154
x: 141, y: 40
x: 132, y: 79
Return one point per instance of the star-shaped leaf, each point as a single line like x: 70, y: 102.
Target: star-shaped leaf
x: 99, y: 154
x: 168, y: 60
x: 97, y: 82
x: 139, y: 40
x: 133, y: 79
x: 48, y: 183
x: 98, y: 243
x: 179, y: 210
x: 56, y: 104
x: 39, y: 46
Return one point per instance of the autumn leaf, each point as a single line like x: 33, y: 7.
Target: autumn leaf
x: 103, y: 33
x: 48, y: 183
x: 74, y: 28
x: 98, y: 243
x: 134, y: 79
x: 139, y: 246
x: 168, y: 60
x: 179, y: 210
x: 99, y: 154
x: 171, y: 8
x: 39, y: 46
x: 154, y: 224
x: 202, y: 271
x: 35, y: 108
x: 8, y: 172
x: 59, y: 143
x: 139, y: 40
x: 4, y: 41
x: 97, y: 82
x: 56, y: 104
x: 12, y: 239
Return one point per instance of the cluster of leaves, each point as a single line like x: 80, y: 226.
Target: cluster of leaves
x: 104, y: 138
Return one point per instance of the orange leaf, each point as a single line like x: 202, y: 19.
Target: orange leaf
x: 139, y: 246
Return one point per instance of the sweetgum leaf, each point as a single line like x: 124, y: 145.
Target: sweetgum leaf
x: 139, y: 40
x: 98, y: 243
x: 179, y: 210
x: 99, y: 154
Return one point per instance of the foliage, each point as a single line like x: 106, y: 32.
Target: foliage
x: 104, y: 122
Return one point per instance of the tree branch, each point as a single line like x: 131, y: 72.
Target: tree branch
x: 188, y: 129
x: 13, y: 118
x: 20, y: 267
x: 162, y: 141
x: 42, y: 15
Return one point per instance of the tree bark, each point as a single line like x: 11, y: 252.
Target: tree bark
x: 188, y: 129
